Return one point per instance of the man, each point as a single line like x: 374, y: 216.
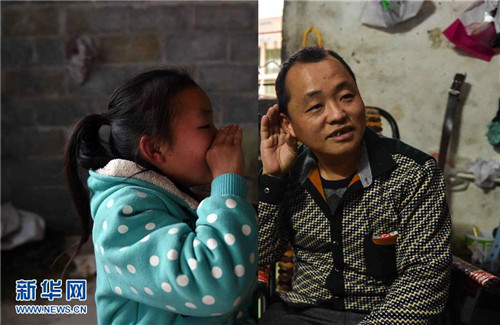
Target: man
x: 366, y: 216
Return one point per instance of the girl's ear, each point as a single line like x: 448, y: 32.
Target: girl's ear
x: 151, y: 150
x: 287, y: 125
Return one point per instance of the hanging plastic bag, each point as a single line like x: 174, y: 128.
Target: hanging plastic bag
x: 477, y: 31
x: 388, y: 13
x: 485, y: 171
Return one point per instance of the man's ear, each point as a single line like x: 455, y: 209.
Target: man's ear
x: 287, y: 125
x: 151, y: 150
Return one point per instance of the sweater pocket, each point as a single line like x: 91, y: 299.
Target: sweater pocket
x: 380, y: 260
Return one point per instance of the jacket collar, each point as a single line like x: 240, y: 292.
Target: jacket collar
x: 129, y: 169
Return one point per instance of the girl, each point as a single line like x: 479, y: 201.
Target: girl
x: 162, y: 257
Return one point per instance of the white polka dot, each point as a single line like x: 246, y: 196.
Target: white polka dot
x: 145, y: 239
x: 122, y: 229
x: 131, y: 268
x: 252, y: 258
x: 110, y: 203
x: 182, y: 280
x: 237, y: 301
x: 192, y: 263
x: 208, y: 300
x: 102, y: 250
x: 127, y: 209
x: 134, y: 290
x: 239, y: 270
x: 211, y: 218
x: 118, y: 290
x: 229, y: 238
x: 190, y: 305
x: 124, y: 248
x: 166, y: 287
x: 212, y: 243
x: 216, y: 272
x: 106, y: 268
x: 141, y: 194
x: 148, y: 291
x: 150, y: 226
x: 118, y: 270
x: 230, y: 203
x: 196, y: 242
x: 105, y: 225
x: 154, y: 260
x: 172, y: 254
x: 173, y: 231
x: 246, y: 230
x: 170, y: 307
x: 240, y: 314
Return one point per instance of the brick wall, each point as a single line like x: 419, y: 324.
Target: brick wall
x: 215, y: 41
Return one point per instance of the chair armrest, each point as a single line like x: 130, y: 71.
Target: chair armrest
x: 479, y: 277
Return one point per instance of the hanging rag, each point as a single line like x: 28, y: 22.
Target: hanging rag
x: 477, y: 31
x: 493, y: 133
x: 485, y: 171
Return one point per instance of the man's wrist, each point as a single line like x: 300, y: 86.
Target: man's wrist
x: 274, y: 175
x: 272, y: 189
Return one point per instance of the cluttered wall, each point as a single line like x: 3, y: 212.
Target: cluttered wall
x: 62, y: 60
x: 407, y: 69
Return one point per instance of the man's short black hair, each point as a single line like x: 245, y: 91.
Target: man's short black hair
x: 304, y: 55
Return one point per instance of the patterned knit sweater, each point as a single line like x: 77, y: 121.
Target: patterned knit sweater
x: 162, y: 258
x: 337, y: 264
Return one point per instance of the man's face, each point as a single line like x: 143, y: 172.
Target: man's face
x: 326, y: 111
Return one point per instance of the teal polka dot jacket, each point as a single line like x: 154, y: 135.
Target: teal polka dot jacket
x: 162, y: 258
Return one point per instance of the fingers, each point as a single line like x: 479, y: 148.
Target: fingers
x: 229, y: 135
x: 264, y: 128
x: 274, y: 119
x: 220, y: 134
x: 238, y: 137
x: 234, y: 135
x: 270, y: 123
x: 225, y: 154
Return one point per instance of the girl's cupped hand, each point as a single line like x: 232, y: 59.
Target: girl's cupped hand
x: 225, y: 155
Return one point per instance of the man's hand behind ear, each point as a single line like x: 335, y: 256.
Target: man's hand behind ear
x: 278, y: 149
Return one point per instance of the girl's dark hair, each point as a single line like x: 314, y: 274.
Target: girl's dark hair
x: 142, y: 106
x: 304, y: 55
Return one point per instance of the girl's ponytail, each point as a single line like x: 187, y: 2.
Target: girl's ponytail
x: 142, y: 106
x: 84, y: 149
